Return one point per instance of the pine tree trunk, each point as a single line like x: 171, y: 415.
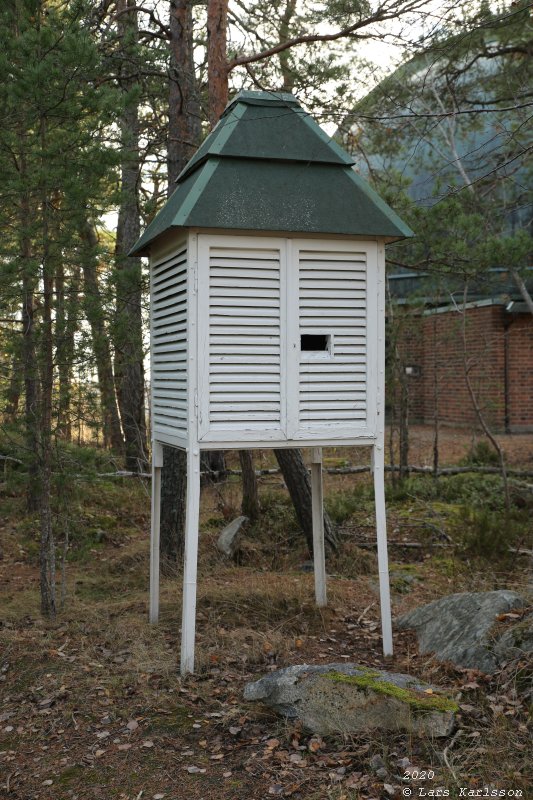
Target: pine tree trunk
x: 183, y: 139
x: 66, y: 326
x: 129, y: 365
x: 184, y: 106
x: 298, y: 482
x: 29, y: 356
x: 94, y: 311
x: 173, y: 502
x: 250, y: 494
x: 403, y: 422
x: 47, y: 560
x: 284, y: 57
x: 217, y: 64
x: 14, y: 390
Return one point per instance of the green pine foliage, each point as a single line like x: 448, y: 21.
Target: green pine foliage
x: 56, y: 161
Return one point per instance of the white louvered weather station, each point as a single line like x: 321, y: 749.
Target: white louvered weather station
x: 267, y: 308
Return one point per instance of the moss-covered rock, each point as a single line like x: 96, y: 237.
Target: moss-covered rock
x: 349, y: 698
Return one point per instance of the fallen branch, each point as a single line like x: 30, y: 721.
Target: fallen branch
x: 521, y: 551
x: 444, y: 471
x: 410, y: 468
x: 10, y: 458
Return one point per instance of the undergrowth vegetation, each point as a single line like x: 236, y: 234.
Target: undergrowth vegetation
x: 101, y: 665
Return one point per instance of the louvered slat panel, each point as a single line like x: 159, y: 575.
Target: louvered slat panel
x: 244, y: 337
x: 332, y: 301
x: 169, y: 345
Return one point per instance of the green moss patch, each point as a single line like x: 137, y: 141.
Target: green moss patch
x: 418, y: 700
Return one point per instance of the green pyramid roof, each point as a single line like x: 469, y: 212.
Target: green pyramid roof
x: 268, y: 166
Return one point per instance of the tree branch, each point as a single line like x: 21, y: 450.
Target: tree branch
x: 381, y: 15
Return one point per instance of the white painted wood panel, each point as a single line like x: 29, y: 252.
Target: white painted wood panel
x: 168, y: 323
x: 332, y: 299
x: 241, y: 337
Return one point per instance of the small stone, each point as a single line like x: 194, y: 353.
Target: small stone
x: 229, y: 539
x: 376, y: 762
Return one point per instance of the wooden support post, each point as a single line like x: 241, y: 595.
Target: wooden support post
x: 188, y: 617
x: 378, y: 468
x: 157, y: 464
x: 319, y: 555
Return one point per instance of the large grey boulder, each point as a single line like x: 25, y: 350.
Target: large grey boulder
x: 457, y: 628
x: 230, y: 537
x: 347, y: 698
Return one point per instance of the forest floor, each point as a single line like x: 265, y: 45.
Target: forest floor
x: 92, y: 705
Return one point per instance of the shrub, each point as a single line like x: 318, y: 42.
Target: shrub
x: 481, y: 454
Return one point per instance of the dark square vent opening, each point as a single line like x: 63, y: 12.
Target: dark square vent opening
x: 314, y: 343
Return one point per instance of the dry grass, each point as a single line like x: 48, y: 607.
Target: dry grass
x: 103, y: 661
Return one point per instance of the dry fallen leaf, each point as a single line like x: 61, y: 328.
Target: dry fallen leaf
x: 132, y: 725
x: 272, y: 744
x: 148, y: 744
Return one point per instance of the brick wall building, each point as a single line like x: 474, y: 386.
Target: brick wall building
x: 498, y: 355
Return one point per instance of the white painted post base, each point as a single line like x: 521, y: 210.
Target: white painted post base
x: 188, y: 617
x: 319, y: 554
x: 157, y: 464
x: 378, y: 468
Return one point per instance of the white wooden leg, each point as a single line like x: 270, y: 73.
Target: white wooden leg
x: 319, y: 555
x: 188, y: 618
x: 157, y: 464
x: 378, y: 465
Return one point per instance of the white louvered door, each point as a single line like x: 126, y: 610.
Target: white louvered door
x: 241, y: 338
x: 334, y: 299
